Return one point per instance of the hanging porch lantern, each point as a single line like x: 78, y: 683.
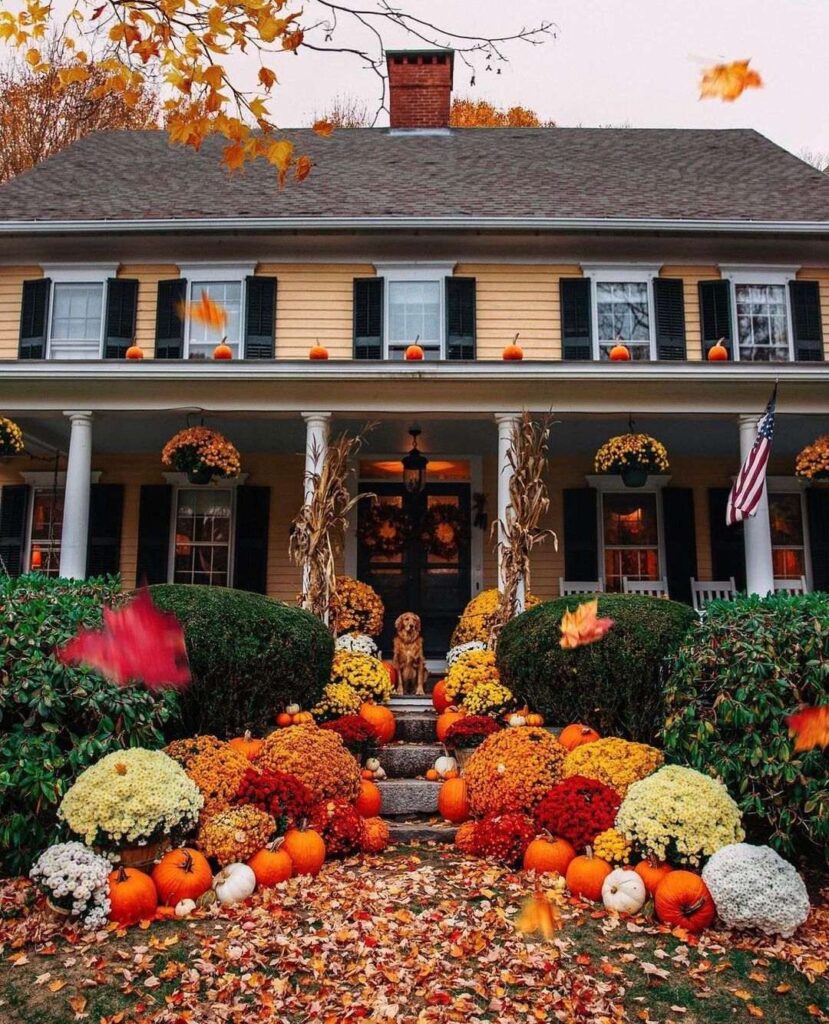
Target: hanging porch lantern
x: 414, y: 465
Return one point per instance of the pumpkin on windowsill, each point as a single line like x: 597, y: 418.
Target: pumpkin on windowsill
x: 718, y: 353
x: 414, y: 353
x: 134, y: 352
x: 513, y: 351
x: 222, y: 351
x: 317, y: 352
x: 619, y: 354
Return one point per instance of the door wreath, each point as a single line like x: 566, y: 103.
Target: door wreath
x: 385, y: 530
x: 443, y: 529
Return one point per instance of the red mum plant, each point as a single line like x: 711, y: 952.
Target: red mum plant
x: 340, y: 826
x: 281, y: 795
x: 504, y: 837
x: 577, y: 810
x: 471, y: 731
x: 356, y: 734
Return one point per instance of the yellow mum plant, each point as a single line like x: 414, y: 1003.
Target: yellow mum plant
x: 612, y: 846
x: 512, y: 770
x: 628, y: 451
x: 11, y: 438
x: 131, y: 797
x: 201, y: 448
x: 488, y: 698
x: 316, y: 757
x: 366, y: 675
x: 480, y: 617
x: 236, y: 834
x: 615, y: 762
x: 470, y: 670
x: 356, y: 608
x: 337, y: 699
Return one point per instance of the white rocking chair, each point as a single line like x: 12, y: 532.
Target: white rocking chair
x: 791, y: 586
x: 645, y: 588
x: 566, y: 588
x: 704, y: 591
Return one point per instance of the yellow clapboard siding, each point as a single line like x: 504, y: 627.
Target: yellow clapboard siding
x: 821, y: 275
x: 11, y: 295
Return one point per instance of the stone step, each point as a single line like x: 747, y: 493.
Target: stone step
x: 403, y: 798
x: 423, y: 831
x: 408, y: 760
x: 408, y: 703
x: 416, y: 727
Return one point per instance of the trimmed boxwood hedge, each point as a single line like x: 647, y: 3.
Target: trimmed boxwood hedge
x: 614, y: 685
x: 249, y: 655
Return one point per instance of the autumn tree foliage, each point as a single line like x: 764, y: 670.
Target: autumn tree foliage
x: 43, y: 112
x: 469, y: 113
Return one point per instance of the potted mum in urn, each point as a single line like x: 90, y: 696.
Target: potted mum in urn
x: 633, y: 457
x: 201, y: 453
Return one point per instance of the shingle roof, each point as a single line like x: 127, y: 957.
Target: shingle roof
x: 638, y: 174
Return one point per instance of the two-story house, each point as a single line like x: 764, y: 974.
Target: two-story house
x: 574, y: 239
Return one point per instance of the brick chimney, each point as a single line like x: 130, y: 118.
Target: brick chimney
x: 420, y: 88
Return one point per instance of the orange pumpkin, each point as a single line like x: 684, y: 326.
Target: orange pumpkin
x: 718, y: 353
x: 132, y: 896
x: 303, y: 718
x: 432, y: 774
x: 445, y: 720
x: 392, y: 671
x: 453, y: 773
x: 585, y: 876
x: 271, y: 866
x: 619, y: 354
x: 375, y: 835
x: 369, y: 801
x: 682, y: 899
x: 652, y: 873
x: 182, y: 875
x: 513, y: 351
x: 381, y: 721
x: 533, y: 718
x: 439, y: 699
x: 223, y: 351
x: 573, y: 736
x: 465, y: 837
x: 306, y: 849
x: 135, y: 352
x: 549, y: 855
x: 366, y: 773
x: 283, y: 719
x: 453, y: 801
x: 318, y: 352
x: 247, y: 745
x: 414, y: 352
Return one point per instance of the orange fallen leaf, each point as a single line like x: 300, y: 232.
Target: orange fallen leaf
x: 582, y: 626
x: 783, y: 988
x: 539, y: 915
x: 810, y: 727
x: 754, y: 1011
x: 56, y: 985
x: 728, y: 81
x: 78, y: 1003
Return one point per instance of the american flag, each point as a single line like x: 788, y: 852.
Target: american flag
x: 748, y: 487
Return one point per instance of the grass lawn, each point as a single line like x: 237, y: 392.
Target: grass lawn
x: 416, y: 934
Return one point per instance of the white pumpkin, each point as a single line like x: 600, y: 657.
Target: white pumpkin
x: 372, y: 764
x: 293, y: 709
x: 624, y: 892
x: 380, y: 773
x: 516, y: 720
x: 234, y: 883
x: 184, y: 908
x: 444, y: 765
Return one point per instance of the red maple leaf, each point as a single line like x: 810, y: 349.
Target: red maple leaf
x: 810, y: 728
x: 139, y: 643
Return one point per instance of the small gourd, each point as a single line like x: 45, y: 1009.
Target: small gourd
x: 234, y: 883
x: 292, y: 709
x: 372, y: 764
x: 444, y: 765
x: 624, y: 892
x: 533, y: 718
x: 516, y: 721
x: 184, y: 908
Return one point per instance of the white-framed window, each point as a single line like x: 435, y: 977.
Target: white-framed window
x: 630, y: 537
x: 789, y: 527
x: 76, y: 320
x: 623, y: 310
x: 202, y: 535
x: 225, y: 285
x: 45, y: 529
x: 761, y: 314
x: 415, y: 308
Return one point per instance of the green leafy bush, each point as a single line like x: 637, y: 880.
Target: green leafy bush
x: 56, y: 721
x: 249, y: 655
x: 733, y: 682
x: 615, y: 684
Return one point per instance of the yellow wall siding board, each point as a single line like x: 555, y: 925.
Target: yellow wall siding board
x: 11, y: 297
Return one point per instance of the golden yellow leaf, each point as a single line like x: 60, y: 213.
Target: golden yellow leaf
x: 56, y: 985
x: 78, y: 1003
x: 728, y: 81
x: 214, y: 76
x: 742, y: 993
x: 68, y: 76
x: 539, y: 915
x: 582, y: 626
x: 280, y: 153
x: 755, y: 1011
x: 233, y: 156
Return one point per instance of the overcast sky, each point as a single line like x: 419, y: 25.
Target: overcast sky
x: 618, y: 61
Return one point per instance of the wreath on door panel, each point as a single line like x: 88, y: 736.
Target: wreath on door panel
x: 443, y: 529
x: 385, y: 530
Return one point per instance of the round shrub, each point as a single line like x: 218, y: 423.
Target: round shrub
x: 249, y: 655
x: 615, y: 684
x: 734, y: 680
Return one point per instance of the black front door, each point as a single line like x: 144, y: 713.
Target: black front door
x: 425, y: 574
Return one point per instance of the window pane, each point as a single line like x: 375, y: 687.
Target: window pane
x: 623, y: 315
x: 414, y: 311
x: 762, y: 327
x: 631, y: 538
x: 786, y: 519
x: 228, y: 294
x: 202, y: 541
x: 789, y: 563
x: 45, y: 531
x: 76, y: 312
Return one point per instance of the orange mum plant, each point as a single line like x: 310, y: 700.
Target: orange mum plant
x: 316, y: 757
x: 513, y: 770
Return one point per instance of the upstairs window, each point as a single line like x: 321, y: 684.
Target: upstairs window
x: 202, y: 337
x: 762, y: 322
x: 77, y: 320
x: 415, y: 313
x: 623, y: 316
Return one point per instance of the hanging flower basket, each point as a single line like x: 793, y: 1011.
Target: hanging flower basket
x: 385, y: 530
x: 443, y: 530
x: 813, y: 462
x: 633, y: 457
x: 11, y: 438
x: 201, y: 454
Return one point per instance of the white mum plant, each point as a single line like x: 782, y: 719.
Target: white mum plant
x: 76, y: 879
x: 754, y: 887
x: 461, y: 649
x: 357, y: 643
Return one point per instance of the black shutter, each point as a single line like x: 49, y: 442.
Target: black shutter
x: 122, y: 304
x: 669, y: 302
x: 169, y: 323
x: 680, y: 541
x: 715, y: 315
x: 460, y: 317
x: 728, y: 553
x: 260, y: 317
x: 581, y: 539
x: 34, y: 311
x: 368, y: 317
x: 576, y: 333
x: 250, y: 563
x: 817, y: 505
x: 154, y: 510
x: 106, y: 508
x: 14, y: 501
x: 808, y: 333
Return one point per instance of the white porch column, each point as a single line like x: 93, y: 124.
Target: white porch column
x: 316, y: 442
x: 757, y: 532
x: 76, y: 497
x: 507, y: 422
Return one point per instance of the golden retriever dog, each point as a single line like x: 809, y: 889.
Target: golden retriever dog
x: 408, y: 656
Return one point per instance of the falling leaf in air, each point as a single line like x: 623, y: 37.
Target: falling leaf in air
x: 138, y: 642
x: 539, y: 915
x: 323, y: 128
x: 582, y: 626
x: 728, y: 81
x: 810, y: 727
x: 208, y: 312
